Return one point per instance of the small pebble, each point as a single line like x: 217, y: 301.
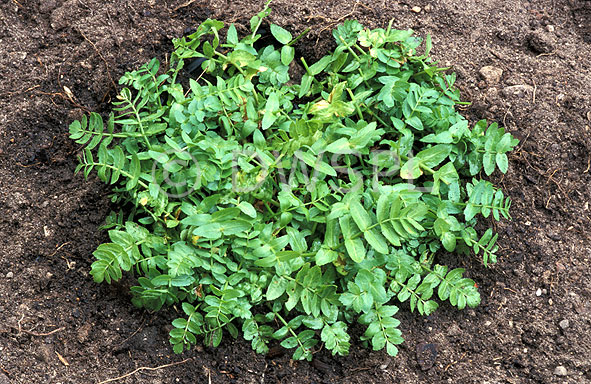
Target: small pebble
x: 539, y: 292
x: 416, y: 9
x: 519, y: 90
x: 560, y: 371
x: 544, y: 291
x: 9, y: 275
x: 564, y: 324
x: 491, y: 74
x: 541, y: 41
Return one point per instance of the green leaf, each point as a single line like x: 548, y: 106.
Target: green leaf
x: 488, y: 161
x: 376, y: 240
x: 316, y: 163
x: 232, y: 35
x: 470, y: 211
x: 287, y: 54
x: 360, y: 215
x: 319, y: 66
x: 282, y: 36
x: 325, y: 256
x: 433, y: 156
x: 305, y: 85
x: 449, y: 241
x: 502, y: 162
x: 341, y: 146
x: 276, y: 287
x: 134, y: 171
x: 411, y: 169
x: 355, y: 249
x: 209, y: 231
x: 271, y: 108
x: 234, y: 227
x: 415, y: 122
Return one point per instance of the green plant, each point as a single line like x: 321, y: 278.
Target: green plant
x: 293, y: 210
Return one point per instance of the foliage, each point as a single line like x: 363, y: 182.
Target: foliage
x: 287, y: 210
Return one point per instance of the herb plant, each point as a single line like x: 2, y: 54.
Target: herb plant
x: 289, y: 209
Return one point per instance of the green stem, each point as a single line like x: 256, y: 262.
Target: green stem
x: 412, y: 292
x: 124, y: 173
x: 139, y: 121
x: 290, y: 330
x: 234, y: 64
x: 357, y: 108
x: 305, y: 65
x: 482, y: 206
x: 349, y: 48
x: 299, y: 36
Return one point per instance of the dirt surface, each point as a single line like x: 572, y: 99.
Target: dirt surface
x: 59, y: 59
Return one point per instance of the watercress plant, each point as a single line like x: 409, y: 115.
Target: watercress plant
x: 288, y: 209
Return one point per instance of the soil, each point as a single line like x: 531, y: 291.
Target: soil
x: 60, y: 59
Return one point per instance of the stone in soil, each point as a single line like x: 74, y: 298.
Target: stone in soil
x: 560, y: 371
x: 517, y: 90
x: 492, y: 75
x: 541, y: 41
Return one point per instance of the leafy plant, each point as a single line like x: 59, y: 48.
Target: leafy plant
x: 290, y: 209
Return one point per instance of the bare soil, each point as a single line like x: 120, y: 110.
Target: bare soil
x: 62, y: 58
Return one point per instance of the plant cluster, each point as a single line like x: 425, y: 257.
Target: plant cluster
x: 288, y: 210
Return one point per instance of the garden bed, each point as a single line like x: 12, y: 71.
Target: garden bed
x: 61, y: 59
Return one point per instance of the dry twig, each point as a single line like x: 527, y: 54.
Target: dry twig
x: 101, y: 56
x: 143, y: 369
x: 43, y: 334
x: 58, y: 248
x: 62, y: 359
x: 183, y: 5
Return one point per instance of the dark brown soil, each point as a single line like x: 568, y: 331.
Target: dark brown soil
x: 59, y: 59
